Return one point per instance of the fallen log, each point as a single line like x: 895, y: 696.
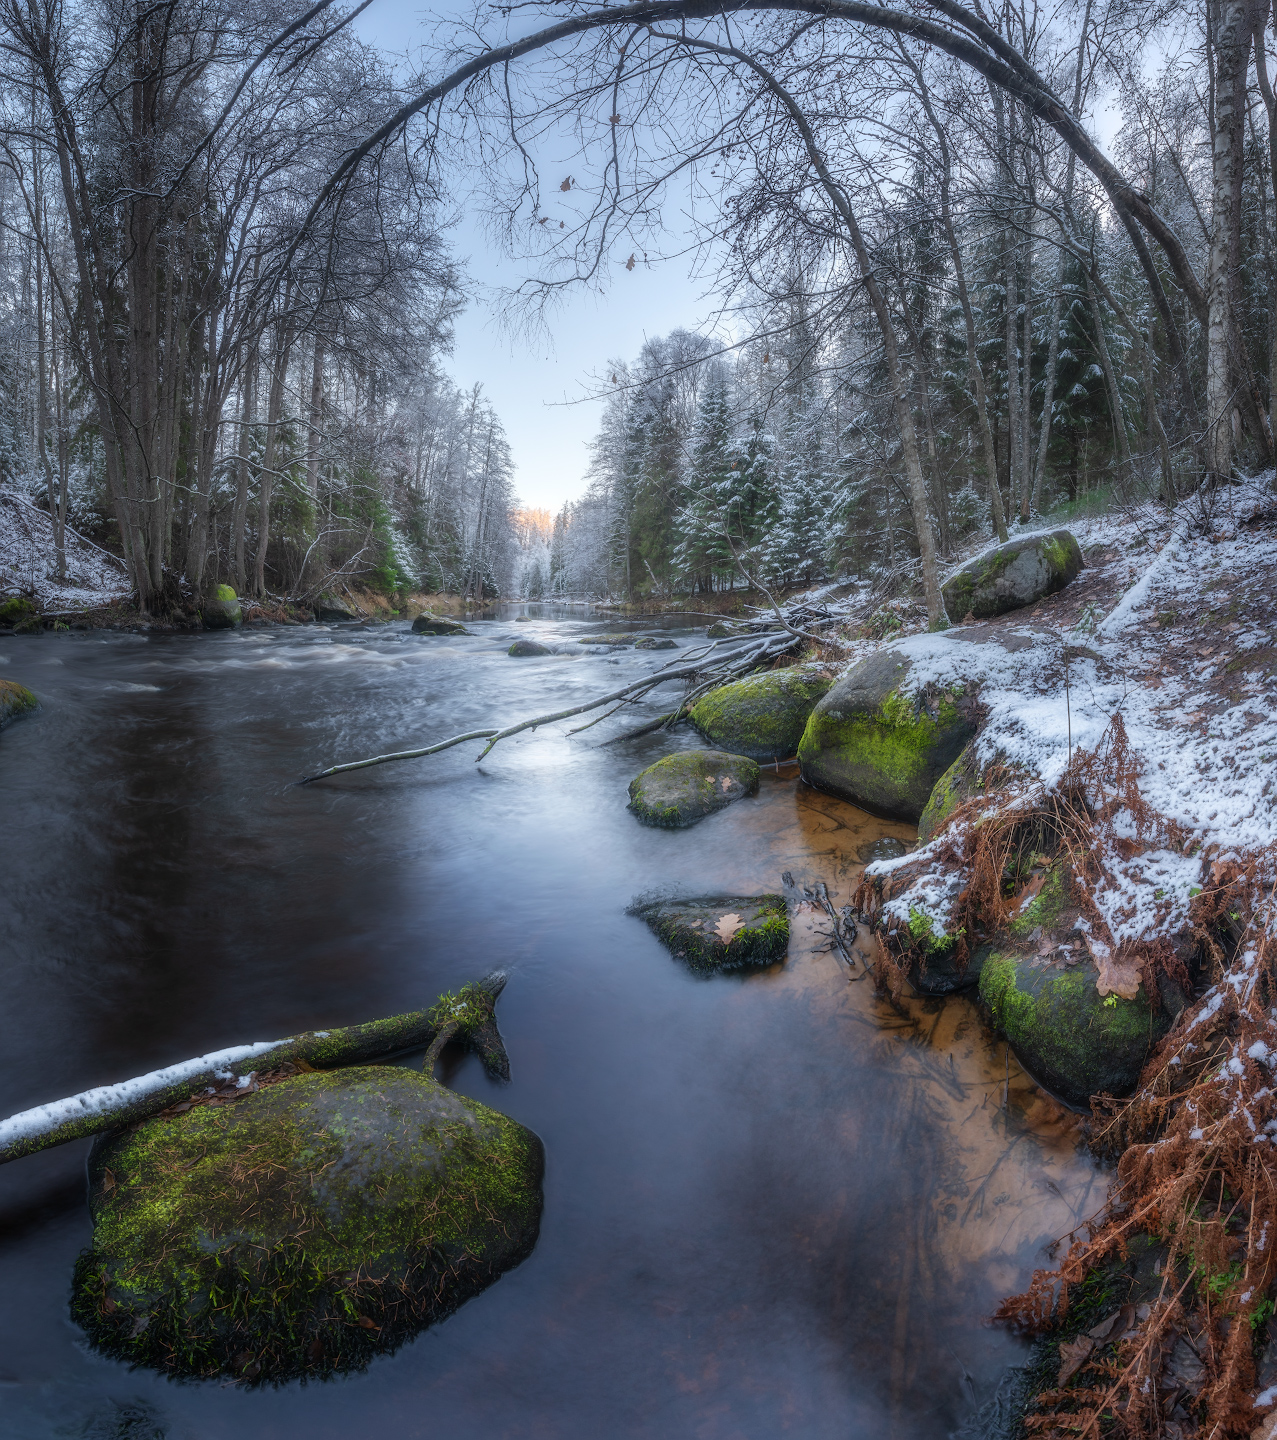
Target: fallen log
x: 111, y: 1107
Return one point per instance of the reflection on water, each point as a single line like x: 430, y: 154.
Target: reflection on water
x: 774, y: 1204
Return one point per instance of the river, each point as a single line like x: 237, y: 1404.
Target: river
x: 773, y: 1204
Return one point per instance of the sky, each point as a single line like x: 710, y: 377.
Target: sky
x: 540, y: 391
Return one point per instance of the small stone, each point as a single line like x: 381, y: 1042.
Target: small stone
x: 686, y: 787
x: 648, y: 642
x: 332, y: 607
x: 884, y: 848
x: 762, y: 716
x: 528, y: 647
x: 722, y: 932
x: 606, y: 640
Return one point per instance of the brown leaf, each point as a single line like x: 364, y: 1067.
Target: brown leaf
x: 616, y: 120
x: 629, y: 265
x: 1119, y: 975
x: 368, y: 1324
x: 567, y: 184
x: 1073, y: 1355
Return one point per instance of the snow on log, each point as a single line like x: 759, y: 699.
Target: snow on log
x: 109, y: 1107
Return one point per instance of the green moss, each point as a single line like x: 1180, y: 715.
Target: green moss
x: 303, y: 1228
x: 224, y: 592
x: 14, y: 611
x: 688, y: 928
x: 951, y: 790
x: 15, y: 700
x: 762, y: 716
x: 1045, y: 907
x: 685, y: 787
x: 1066, y: 1034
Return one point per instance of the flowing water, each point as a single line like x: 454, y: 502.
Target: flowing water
x: 773, y: 1205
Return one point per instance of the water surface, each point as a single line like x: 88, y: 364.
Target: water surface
x: 774, y: 1206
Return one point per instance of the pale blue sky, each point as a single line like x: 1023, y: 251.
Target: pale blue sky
x: 529, y: 386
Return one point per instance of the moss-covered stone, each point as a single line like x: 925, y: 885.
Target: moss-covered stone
x: 650, y: 642
x: 330, y: 607
x: 1072, y: 1039
x: 883, y: 750
x: 684, y: 788
x: 721, y: 630
x: 221, y: 610
x: 528, y: 647
x: 16, y: 611
x: 434, y: 625
x: 962, y: 781
x: 15, y: 700
x: 722, y: 932
x: 762, y: 716
x: 1012, y: 575
x: 606, y: 639
x: 304, y: 1228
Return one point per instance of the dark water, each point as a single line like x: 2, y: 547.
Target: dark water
x: 773, y: 1206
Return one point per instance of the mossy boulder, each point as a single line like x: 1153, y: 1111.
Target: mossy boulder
x: 221, y: 610
x: 722, y: 932
x: 606, y: 639
x: 721, y: 630
x: 650, y: 642
x: 305, y: 1228
x: 1012, y: 575
x: 434, y: 625
x: 762, y: 716
x: 528, y: 647
x: 684, y: 788
x: 1068, y: 1036
x: 15, y: 700
x: 871, y: 743
x: 962, y: 780
x: 17, y: 610
x: 332, y: 607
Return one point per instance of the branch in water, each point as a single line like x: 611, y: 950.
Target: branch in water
x: 113, y: 1106
x: 746, y: 654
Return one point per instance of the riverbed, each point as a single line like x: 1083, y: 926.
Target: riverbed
x: 773, y: 1204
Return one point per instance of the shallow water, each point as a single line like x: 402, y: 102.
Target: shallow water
x: 773, y: 1204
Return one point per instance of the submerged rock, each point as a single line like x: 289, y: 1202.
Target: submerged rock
x: 883, y: 750
x: 720, y: 630
x: 305, y: 1228
x: 1012, y: 575
x: 523, y: 619
x: 684, y: 788
x: 332, y: 607
x: 762, y: 716
x: 1074, y: 1040
x: 221, y: 610
x: 649, y: 642
x: 884, y: 848
x: 528, y: 647
x: 605, y: 639
x: 434, y: 625
x: 722, y: 932
x: 15, y: 700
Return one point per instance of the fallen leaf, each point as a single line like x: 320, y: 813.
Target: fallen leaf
x: 1119, y: 975
x: 368, y: 1324
x: 567, y: 184
x: 629, y: 265
x: 727, y: 926
x: 1073, y: 1355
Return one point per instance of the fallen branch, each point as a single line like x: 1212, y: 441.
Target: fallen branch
x: 110, y: 1107
x: 746, y: 655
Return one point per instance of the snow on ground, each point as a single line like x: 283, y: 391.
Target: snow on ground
x: 1175, y: 630
x: 28, y: 567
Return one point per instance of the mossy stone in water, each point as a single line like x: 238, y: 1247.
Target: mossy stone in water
x: 606, y: 639
x: 723, y: 932
x: 870, y: 743
x: 1012, y: 575
x: 1074, y: 1040
x: 762, y: 716
x: 650, y: 642
x: 528, y: 647
x: 16, y: 611
x: 221, y: 610
x: 684, y: 788
x: 15, y: 700
x: 305, y: 1228
x: 434, y: 625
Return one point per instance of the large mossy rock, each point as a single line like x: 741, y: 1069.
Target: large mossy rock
x: 870, y: 743
x: 17, y: 610
x: 15, y: 700
x: 762, y: 716
x: 684, y: 788
x: 221, y: 610
x: 435, y: 625
x: 650, y: 642
x: 605, y: 639
x: 1012, y: 575
x: 721, y: 932
x: 304, y: 1228
x: 1068, y: 1036
x: 332, y: 607
x: 959, y: 783
x: 528, y: 647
